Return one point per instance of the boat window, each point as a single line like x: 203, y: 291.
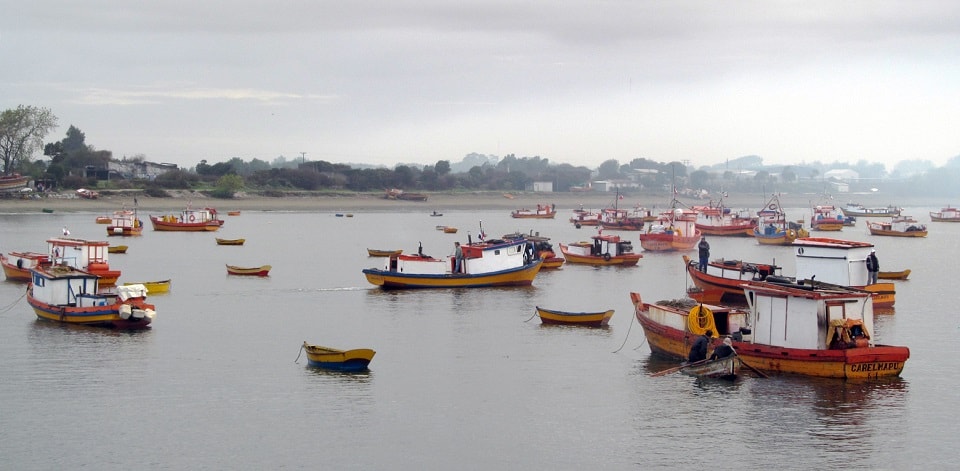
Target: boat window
x: 836, y: 310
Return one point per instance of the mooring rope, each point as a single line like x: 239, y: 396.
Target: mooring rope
x: 14, y: 303
x: 629, y: 328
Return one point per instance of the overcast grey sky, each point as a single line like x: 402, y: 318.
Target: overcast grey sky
x: 575, y: 82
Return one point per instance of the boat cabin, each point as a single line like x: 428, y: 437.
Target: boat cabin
x: 78, y: 253
x: 841, y: 262
x: 478, y: 257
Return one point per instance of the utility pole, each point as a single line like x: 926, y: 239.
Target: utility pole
x: 303, y: 157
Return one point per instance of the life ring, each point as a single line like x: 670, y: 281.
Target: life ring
x: 772, y: 206
x: 700, y: 319
x: 193, y: 218
x: 606, y: 257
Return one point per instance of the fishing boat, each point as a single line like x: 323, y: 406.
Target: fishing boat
x: 117, y: 249
x: 262, y: 270
x: 189, y: 220
x: 727, y: 277
x: 542, y: 249
x: 826, y: 218
x: 718, y: 220
x: 153, y: 287
x: 543, y: 211
x: 104, y: 219
x: 87, y: 255
x: 436, y: 214
x: 587, y: 319
x: 814, y: 329
x: 720, y: 368
x: 233, y: 213
x: 493, y: 262
x: 125, y: 223
x: 773, y: 228
x: 894, y: 275
x: 947, y: 214
x: 898, y: 226
x: 17, y: 265
x: 449, y: 230
x: 858, y: 210
x: 605, y: 249
x: 87, y: 194
x: 585, y: 217
x: 13, y: 182
x: 383, y: 253
x: 230, y: 241
x: 841, y: 262
x: 338, y: 360
x: 674, y: 230
x: 65, y: 294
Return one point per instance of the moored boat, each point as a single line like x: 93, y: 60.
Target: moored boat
x: 13, y: 182
x: 383, y: 253
x: 117, y: 249
x: 814, y: 329
x: 859, y: 210
x: 153, y: 287
x: 605, y: 249
x: 727, y: 277
x: 233, y: 213
x: 338, y: 360
x: 494, y: 262
x: 898, y: 226
x: 449, y: 230
x: 674, y: 230
x: 263, y: 270
x: 542, y: 249
x: 946, y: 214
x: 104, y: 219
x: 65, y: 294
x: 588, y: 319
x: 719, y: 368
x: 17, y: 265
x: 87, y: 255
x: 826, y: 218
x: 189, y: 220
x: 894, y: 275
x: 718, y: 220
x: 125, y: 223
x: 773, y: 228
x: 543, y: 211
x: 230, y: 241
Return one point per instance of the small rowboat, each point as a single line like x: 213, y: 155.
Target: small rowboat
x: 383, y: 253
x: 589, y: 319
x: 338, y: 360
x: 117, y: 249
x: 230, y: 241
x: 449, y: 230
x: 894, y: 275
x: 233, y: 213
x: 721, y: 368
x: 154, y: 287
x: 104, y: 220
x: 263, y: 270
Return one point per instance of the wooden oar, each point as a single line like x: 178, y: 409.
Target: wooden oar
x: 676, y: 368
x: 758, y: 372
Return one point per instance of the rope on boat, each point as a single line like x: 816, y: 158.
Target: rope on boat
x: 298, y: 354
x: 534, y: 315
x: 632, y: 318
x: 14, y: 303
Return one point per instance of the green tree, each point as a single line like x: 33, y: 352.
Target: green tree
x: 442, y: 167
x: 609, y: 169
x: 22, y: 131
x: 228, y: 185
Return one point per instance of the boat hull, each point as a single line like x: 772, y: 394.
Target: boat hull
x: 894, y: 275
x: 161, y: 225
x: 124, y: 231
x: 892, y: 233
x: 249, y: 271
x: 103, y: 316
x: 338, y: 360
x: 230, y: 241
x: 779, y: 237
x: 383, y: 253
x: 388, y: 279
x: 627, y: 259
x: 721, y: 368
x: 587, y: 319
x: 852, y: 363
x: 668, y: 242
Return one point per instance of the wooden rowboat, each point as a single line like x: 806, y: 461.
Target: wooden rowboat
x: 233, y: 213
x: 588, y: 319
x: 154, y: 287
x: 263, y: 270
x: 338, y: 360
x: 449, y: 230
x: 894, y: 275
x: 721, y: 368
x: 383, y: 253
x: 104, y: 219
x: 230, y: 241
x: 117, y: 249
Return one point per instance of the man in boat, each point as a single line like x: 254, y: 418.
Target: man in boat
x: 458, y: 257
x: 704, y: 247
x: 873, y: 267
x: 698, y: 352
x: 724, y: 350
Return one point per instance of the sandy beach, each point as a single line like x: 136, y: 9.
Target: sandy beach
x: 106, y: 204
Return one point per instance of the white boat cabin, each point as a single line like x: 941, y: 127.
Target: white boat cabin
x: 601, y: 246
x: 836, y: 261
x: 478, y: 258
x: 78, y: 253
x: 815, y: 319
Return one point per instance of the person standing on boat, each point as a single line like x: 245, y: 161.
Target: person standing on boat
x: 873, y: 267
x: 704, y: 247
x: 458, y: 256
x: 724, y: 350
x: 698, y: 352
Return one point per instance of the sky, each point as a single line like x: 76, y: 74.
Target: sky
x: 578, y: 82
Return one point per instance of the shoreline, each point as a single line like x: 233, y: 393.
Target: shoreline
x: 67, y: 202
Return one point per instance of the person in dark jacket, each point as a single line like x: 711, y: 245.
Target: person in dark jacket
x: 698, y: 351
x: 724, y: 350
x: 704, y: 247
x: 873, y: 267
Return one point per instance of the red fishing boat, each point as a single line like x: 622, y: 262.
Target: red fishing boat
x: 189, y: 220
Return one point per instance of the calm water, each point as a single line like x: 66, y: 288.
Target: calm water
x: 463, y: 379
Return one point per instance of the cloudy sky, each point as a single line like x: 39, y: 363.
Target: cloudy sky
x: 577, y: 82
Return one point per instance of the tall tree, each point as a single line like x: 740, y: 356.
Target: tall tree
x: 22, y: 131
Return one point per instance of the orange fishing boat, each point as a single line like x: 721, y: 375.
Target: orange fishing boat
x: 603, y: 250
x: 17, y: 265
x: 189, y: 220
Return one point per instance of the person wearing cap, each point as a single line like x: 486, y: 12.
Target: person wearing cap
x: 724, y: 350
x: 873, y: 267
x: 698, y: 351
x: 704, y: 247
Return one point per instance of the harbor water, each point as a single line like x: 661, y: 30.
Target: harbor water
x: 462, y: 379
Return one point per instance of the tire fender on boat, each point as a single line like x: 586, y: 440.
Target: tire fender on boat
x: 193, y: 218
x: 606, y: 257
